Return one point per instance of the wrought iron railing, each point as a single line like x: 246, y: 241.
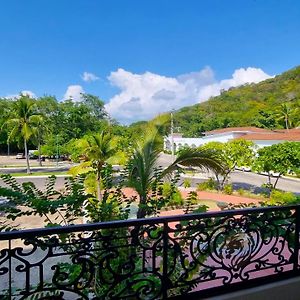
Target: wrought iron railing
x: 158, y: 258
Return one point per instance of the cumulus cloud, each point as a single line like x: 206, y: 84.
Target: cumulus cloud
x: 142, y: 96
x: 30, y: 94
x: 74, y: 92
x: 89, y: 77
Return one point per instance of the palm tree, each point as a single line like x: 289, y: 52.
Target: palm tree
x: 97, y: 149
x: 24, y: 120
x: 144, y: 162
x: 285, y: 113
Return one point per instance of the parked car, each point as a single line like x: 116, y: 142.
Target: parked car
x: 32, y: 154
x: 20, y: 156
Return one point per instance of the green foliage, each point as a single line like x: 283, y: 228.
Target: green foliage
x: 56, y: 207
x: 244, y: 106
x: 235, y: 153
x: 187, y: 183
x: 192, y: 205
x: 172, y: 193
x: 208, y: 185
x: 279, y: 158
x: 280, y: 197
x: 228, y: 189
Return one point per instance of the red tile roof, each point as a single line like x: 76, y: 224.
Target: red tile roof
x: 239, y: 129
x: 291, y: 136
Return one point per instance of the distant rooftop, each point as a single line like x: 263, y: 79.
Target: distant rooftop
x: 239, y: 129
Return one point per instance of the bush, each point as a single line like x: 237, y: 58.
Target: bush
x: 175, y: 198
x: 282, y: 197
x: 208, y: 185
x: 187, y: 183
x: 241, y: 192
x: 228, y: 189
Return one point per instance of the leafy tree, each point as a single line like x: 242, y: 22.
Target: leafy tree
x: 24, y: 121
x: 95, y: 104
x: 279, y: 158
x: 235, y: 153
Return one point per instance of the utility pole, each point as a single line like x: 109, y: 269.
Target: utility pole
x: 56, y: 150
x: 8, y: 152
x: 172, y: 136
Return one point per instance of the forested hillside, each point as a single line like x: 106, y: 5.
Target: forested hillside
x: 273, y: 103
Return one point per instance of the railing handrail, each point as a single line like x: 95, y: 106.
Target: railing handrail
x: 35, y: 232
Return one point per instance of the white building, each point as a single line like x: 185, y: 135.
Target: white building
x: 261, y: 137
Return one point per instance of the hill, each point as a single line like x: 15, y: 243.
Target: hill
x: 247, y: 105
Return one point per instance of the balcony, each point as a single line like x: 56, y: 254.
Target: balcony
x: 194, y: 256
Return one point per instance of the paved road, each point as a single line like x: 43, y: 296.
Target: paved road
x: 239, y: 179
x: 247, y: 180
x: 39, y: 181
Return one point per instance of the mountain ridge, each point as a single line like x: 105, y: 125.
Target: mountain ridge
x: 254, y: 104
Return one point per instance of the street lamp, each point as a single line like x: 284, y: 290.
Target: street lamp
x: 57, y: 150
x: 172, y: 136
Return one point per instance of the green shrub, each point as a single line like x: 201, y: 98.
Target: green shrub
x: 282, y: 197
x: 187, y: 183
x: 228, y: 189
x: 208, y: 185
x: 241, y: 192
x: 175, y: 198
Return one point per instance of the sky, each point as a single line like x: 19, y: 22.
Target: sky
x: 144, y: 57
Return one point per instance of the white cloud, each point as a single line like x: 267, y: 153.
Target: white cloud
x: 142, y: 96
x: 89, y: 77
x: 30, y: 94
x: 74, y: 92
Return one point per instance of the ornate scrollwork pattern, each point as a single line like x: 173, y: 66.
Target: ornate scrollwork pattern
x: 150, y: 259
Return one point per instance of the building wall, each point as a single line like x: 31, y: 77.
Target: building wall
x: 180, y: 142
x: 265, y: 143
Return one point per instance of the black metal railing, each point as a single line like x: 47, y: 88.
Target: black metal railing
x: 157, y: 258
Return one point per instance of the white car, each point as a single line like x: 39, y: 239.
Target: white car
x: 20, y: 156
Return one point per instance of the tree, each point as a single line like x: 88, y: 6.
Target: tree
x: 95, y: 104
x: 235, y: 153
x: 96, y: 150
x: 285, y: 113
x: 143, y: 171
x: 23, y: 121
x: 279, y: 158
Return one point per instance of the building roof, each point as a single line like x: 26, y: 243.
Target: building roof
x: 238, y: 129
x: 274, y: 136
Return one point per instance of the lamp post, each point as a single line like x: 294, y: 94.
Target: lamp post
x: 172, y: 136
x: 57, y: 151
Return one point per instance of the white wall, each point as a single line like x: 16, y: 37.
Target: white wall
x: 196, y: 142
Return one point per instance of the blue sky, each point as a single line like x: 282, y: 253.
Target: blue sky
x: 165, y: 48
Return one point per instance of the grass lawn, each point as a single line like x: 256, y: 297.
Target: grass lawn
x: 212, y: 204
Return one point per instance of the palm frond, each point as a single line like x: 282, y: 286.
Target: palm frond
x: 204, y: 159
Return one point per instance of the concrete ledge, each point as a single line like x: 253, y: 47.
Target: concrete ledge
x: 281, y: 290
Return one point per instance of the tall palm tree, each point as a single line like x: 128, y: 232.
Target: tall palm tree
x: 24, y: 120
x: 144, y: 162
x: 97, y: 149
x: 285, y: 113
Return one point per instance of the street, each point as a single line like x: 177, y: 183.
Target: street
x: 239, y: 179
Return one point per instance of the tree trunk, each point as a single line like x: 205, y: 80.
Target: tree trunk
x: 276, y: 181
x: 40, y: 152
x: 141, y: 213
x: 99, y: 196
x: 286, y: 123
x: 26, y: 156
x: 39, y: 148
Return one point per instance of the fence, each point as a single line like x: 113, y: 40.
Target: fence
x: 197, y: 255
